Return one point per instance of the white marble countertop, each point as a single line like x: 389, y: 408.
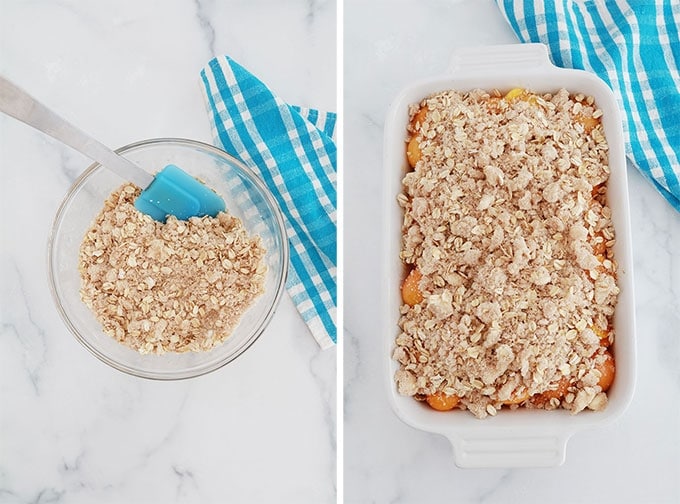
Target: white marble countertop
x: 391, y: 44
x: 72, y: 430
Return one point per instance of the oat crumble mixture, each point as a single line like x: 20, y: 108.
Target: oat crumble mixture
x: 506, y: 221
x: 176, y: 286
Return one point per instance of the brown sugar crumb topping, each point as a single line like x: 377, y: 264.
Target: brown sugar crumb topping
x: 174, y: 287
x: 506, y: 222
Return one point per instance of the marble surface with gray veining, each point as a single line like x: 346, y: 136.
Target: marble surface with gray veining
x: 636, y: 459
x: 72, y: 430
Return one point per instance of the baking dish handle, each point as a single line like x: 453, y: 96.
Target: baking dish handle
x: 492, y: 59
x: 502, y: 451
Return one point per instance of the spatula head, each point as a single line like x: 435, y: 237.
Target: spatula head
x: 175, y: 192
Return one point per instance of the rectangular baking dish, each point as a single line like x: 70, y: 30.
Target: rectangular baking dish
x: 519, y: 438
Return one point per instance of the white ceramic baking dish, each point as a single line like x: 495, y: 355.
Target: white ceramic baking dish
x: 519, y: 438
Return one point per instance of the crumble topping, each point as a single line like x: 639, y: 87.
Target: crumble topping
x: 168, y: 287
x: 505, y: 218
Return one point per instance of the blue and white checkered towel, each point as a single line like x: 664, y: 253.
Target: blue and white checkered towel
x: 634, y: 46
x: 293, y: 151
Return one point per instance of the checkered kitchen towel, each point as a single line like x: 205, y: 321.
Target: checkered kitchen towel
x: 634, y: 46
x: 293, y: 151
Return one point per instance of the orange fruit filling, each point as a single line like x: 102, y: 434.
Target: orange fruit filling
x: 410, y: 289
x: 607, y: 371
x: 442, y: 402
x: 517, y: 398
x: 520, y: 94
x: 419, y: 117
x: 558, y: 393
x: 413, y: 152
x: 589, y: 122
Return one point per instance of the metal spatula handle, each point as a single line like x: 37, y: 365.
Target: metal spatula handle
x: 15, y: 102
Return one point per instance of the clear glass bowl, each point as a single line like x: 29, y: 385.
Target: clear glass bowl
x: 246, y: 197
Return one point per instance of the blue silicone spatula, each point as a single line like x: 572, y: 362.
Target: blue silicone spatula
x: 171, y: 191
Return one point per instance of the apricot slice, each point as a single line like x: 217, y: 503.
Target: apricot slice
x: 442, y: 402
x: 413, y: 152
x: 545, y: 397
x: 410, y: 289
x: 607, y: 371
x: 520, y: 94
x: 596, y: 190
x: 514, y: 93
x: 600, y: 332
x: 517, y: 398
x: 589, y: 122
x: 419, y: 117
x: 603, y: 334
x: 599, y: 251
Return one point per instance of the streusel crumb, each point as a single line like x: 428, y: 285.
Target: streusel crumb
x: 506, y: 223
x: 168, y: 287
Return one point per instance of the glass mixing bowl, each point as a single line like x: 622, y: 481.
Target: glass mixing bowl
x: 246, y: 197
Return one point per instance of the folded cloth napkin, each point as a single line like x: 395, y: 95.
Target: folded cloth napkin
x: 293, y: 151
x: 634, y: 47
